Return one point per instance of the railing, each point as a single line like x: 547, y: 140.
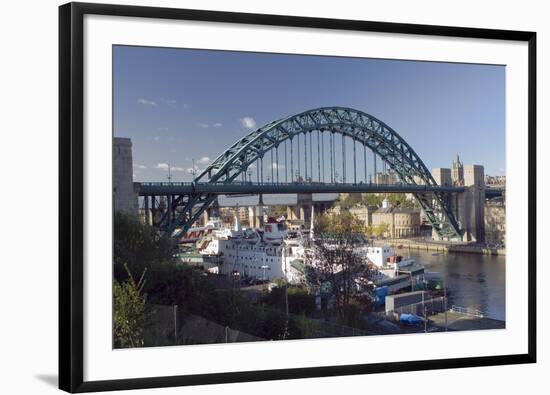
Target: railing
x: 187, y: 183
x: 165, y: 184
x: 284, y: 187
x: 467, y: 311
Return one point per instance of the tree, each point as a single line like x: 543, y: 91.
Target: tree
x: 370, y: 199
x: 338, y: 224
x: 278, y: 211
x: 129, y: 311
x: 335, y: 259
x: 300, y: 301
x: 380, y: 229
x: 400, y: 200
x: 369, y: 231
x: 348, y: 201
x: 137, y: 246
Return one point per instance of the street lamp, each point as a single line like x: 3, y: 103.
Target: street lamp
x: 193, y: 170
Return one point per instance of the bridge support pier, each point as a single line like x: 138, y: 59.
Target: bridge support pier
x: 169, y: 210
x: 305, y: 201
x: 470, y: 204
x: 148, y: 217
x: 256, y: 216
x: 153, y: 210
x: 467, y: 206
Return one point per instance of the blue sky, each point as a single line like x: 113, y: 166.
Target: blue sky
x: 178, y: 104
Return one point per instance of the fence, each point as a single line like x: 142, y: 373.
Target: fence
x: 168, y: 325
x: 467, y: 311
x: 427, y: 307
x: 322, y: 329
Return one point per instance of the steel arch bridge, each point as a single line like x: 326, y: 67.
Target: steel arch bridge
x: 243, y: 156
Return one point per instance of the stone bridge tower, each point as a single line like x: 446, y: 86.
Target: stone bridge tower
x: 468, y: 206
x: 125, y: 197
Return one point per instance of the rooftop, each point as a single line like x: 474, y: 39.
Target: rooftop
x: 398, y: 210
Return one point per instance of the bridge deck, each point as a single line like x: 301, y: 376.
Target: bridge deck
x: 177, y: 188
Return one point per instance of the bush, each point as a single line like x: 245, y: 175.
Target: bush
x: 129, y: 312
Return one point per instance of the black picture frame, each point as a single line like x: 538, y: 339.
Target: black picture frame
x: 71, y: 204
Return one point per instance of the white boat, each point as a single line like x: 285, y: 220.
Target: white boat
x: 197, y: 233
x: 265, y: 254
x: 392, y: 271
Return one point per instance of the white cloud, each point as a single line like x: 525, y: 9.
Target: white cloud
x: 170, y: 102
x: 139, y: 166
x: 156, y: 138
x: 274, y: 166
x: 217, y: 125
x: 248, y: 122
x: 164, y: 166
x: 195, y: 170
x: 204, y: 160
x: 204, y: 125
x: 146, y: 102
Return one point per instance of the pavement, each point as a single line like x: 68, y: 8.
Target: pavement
x: 464, y: 322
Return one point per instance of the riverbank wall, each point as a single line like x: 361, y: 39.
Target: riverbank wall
x: 440, y: 247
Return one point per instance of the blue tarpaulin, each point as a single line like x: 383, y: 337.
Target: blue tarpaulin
x: 380, y: 295
x: 410, y: 319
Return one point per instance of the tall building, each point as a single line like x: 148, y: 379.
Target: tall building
x: 385, y: 178
x: 124, y: 195
x: 458, y: 172
x: 442, y: 176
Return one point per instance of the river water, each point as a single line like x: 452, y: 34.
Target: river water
x: 472, y: 280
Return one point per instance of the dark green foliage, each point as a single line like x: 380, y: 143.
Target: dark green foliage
x: 395, y: 199
x: 277, y: 211
x: 137, y: 245
x: 299, y: 300
x: 399, y: 200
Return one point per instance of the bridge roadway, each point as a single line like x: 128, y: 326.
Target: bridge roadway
x: 494, y: 191
x: 243, y: 188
